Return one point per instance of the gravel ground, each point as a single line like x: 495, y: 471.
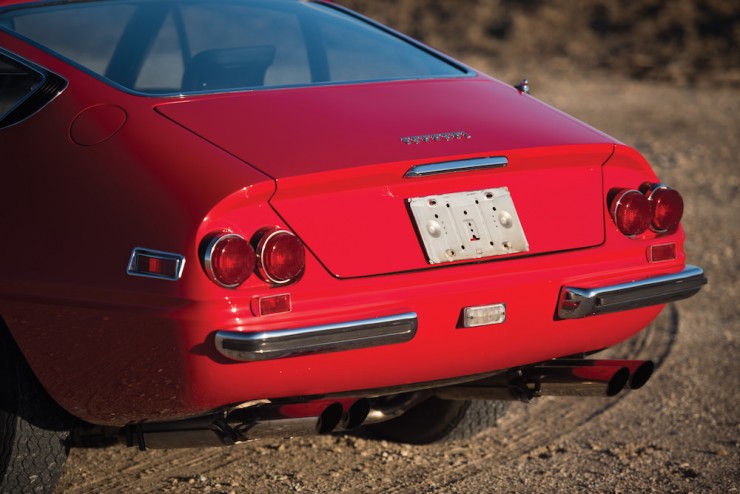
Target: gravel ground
x: 681, y: 433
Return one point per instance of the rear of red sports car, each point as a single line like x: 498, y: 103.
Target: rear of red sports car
x: 231, y: 217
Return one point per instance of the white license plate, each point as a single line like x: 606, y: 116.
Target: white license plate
x: 468, y: 225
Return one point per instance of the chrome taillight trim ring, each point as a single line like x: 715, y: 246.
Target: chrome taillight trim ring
x: 261, y: 271
x: 616, y: 202
x: 208, y: 258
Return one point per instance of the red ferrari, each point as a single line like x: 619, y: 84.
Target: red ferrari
x: 226, y: 219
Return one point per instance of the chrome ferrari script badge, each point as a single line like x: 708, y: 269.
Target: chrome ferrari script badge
x: 444, y: 136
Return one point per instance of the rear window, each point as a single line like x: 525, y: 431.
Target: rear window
x: 175, y: 47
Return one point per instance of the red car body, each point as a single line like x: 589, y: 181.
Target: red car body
x: 100, y: 172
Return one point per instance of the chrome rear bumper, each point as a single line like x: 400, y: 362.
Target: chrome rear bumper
x: 574, y: 303
x: 351, y: 335
x: 581, y: 302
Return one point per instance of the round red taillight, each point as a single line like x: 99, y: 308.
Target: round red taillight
x: 282, y: 257
x: 667, y: 206
x: 631, y: 212
x: 229, y: 260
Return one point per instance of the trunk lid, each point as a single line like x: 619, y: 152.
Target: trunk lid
x: 341, y: 157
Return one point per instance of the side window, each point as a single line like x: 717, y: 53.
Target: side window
x: 24, y: 91
x: 15, y: 85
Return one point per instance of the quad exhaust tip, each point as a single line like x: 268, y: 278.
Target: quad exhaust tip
x: 329, y: 418
x: 640, y: 371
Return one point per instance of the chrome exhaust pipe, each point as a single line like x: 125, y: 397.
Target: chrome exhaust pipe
x: 289, y: 420
x: 640, y: 370
x: 542, y: 380
x: 580, y: 381
x: 243, y: 424
x: 487, y: 389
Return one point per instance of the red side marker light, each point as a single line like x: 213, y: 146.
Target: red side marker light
x: 662, y: 252
x: 273, y: 304
x: 156, y: 264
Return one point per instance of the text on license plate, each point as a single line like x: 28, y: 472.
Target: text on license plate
x: 468, y: 225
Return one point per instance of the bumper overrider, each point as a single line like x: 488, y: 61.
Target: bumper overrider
x: 574, y: 303
x: 582, y: 302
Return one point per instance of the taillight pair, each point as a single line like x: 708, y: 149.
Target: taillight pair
x: 277, y: 256
x: 654, y: 206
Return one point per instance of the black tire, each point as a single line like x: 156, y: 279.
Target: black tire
x: 435, y: 419
x: 33, y: 428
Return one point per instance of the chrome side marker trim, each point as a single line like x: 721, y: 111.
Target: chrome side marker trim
x: 581, y: 302
x: 267, y: 345
x: 156, y: 264
x: 457, y: 166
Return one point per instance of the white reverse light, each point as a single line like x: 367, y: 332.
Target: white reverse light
x: 484, y: 315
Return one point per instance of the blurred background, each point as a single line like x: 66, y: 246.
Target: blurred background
x: 685, y: 42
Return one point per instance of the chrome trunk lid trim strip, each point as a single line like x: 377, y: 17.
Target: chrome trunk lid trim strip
x: 457, y: 166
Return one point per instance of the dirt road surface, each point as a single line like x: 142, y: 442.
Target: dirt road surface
x: 681, y: 433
